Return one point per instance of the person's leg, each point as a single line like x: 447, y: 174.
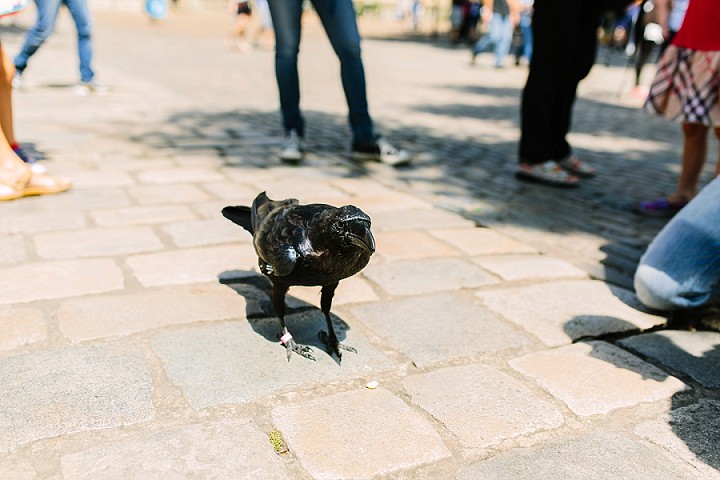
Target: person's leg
x: 717, y: 165
x: 16, y: 178
x: 47, y: 11
x: 491, y: 37
x: 339, y: 19
x: 6, y: 113
x: 694, y: 154
x: 504, y: 39
x: 81, y: 16
x: 286, y: 16
x: 681, y: 267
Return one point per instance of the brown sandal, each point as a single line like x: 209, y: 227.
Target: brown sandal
x: 35, y: 184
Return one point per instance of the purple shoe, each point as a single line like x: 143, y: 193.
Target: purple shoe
x: 660, y: 207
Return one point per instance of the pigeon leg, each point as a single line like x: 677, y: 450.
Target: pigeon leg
x: 330, y: 339
x: 278, y: 300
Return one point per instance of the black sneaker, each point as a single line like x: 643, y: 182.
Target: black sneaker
x: 380, y: 151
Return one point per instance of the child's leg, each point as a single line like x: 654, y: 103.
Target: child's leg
x: 693, y: 159
x: 717, y: 165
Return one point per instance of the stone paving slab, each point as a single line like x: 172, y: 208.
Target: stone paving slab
x: 96, y: 242
x: 563, y: 311
x: 64, y: 391
x: 596, y: 455
x: 437, y: 328
x: 58, y: 279
x: 127, y: 314
x: 426, y: 276
x: 480, y: 405
x: 411, y: 245
x: 530, y: 267
x: 481, y: 241
x: 418, y: 219
x: 197, y: 233
x: 21, y: 326
x: 12, y: 249
x: 351, y: 290
x: 131, y: 216
x: 228, y: 448
x: 167, y: 194
x: 241, y: 362
x: 596, y: 377
x: 360, y: 434
x: 694, y: 354
x: 196, y: 265
x: 692, y: 433
x: 33, y: 221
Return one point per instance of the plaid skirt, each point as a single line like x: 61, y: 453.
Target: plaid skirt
x: 686, y: 86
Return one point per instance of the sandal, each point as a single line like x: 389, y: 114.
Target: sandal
x: 548, y: 173
x: 660, y: 207
x: 574, y: 165
x: 36, y: 184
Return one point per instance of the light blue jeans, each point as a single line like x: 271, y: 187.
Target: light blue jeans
x: 681, y: 267
x: 47, y: 11
x: 338, y: 19
x: 499, y: 34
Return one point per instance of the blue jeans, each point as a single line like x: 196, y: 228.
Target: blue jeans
x: 499, y: 34
x: 44, y: 26
x: 338, y: 19
x: 681, y: 267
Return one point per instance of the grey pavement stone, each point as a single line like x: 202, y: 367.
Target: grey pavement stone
x: 96, y: 242
x: 167, y: 194
x: 12, y: 469
x: 560, y: 312
x: 12, y: 249
x: 436, y: 328
x: 529, y: 267
x: 75, y: 201
x: 308, y: 190
x: 695, y: 354
x: 480, y: 405
x: 411, y: 245
x: 419, y: 219
x: 51, y: 280
x: 223, y: 449
x: 432, y: 275
x: 206, y: 232
x: 388, y: 200
x: 351, y: 290
x: 125, y: 217
x: 179, y: 175
x: 599, y: 454
x: 59, y: 392
x: 244, y: 361
x: 33, y: 221
x: 692, y: 433
x: 481, y: 241
x: 194, y: 265
x: 232, y: 192
x: 127, y: 314
x: 101, y: 179
x: 596, y: 377
x: 21, y: 326
x: 360, y: 434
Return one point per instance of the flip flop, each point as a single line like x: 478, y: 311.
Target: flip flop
x: 574, y: 165
x: 660, y: 207
x: 37, y: 184
x: 548, y: 173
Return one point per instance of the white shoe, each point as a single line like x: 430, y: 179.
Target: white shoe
x: 293, y: 149
x: 91, y: 87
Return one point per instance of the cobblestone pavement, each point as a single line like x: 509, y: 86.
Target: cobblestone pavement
x: 497, y: 317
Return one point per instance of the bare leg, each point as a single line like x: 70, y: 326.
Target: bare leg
x: 6, y: 113
x: 694, y: 153
x: 330, y: 339
x: 278, y: 300
x: 717, y: 165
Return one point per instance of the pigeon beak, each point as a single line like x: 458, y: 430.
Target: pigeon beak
x: 363, y: 239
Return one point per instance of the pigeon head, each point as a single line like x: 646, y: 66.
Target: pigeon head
x: 352, y: 227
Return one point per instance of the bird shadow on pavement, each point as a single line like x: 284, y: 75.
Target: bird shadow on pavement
x: 691, y: 427
x: 303, y: 319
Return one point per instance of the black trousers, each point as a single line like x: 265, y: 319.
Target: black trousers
x: 565, y: 41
